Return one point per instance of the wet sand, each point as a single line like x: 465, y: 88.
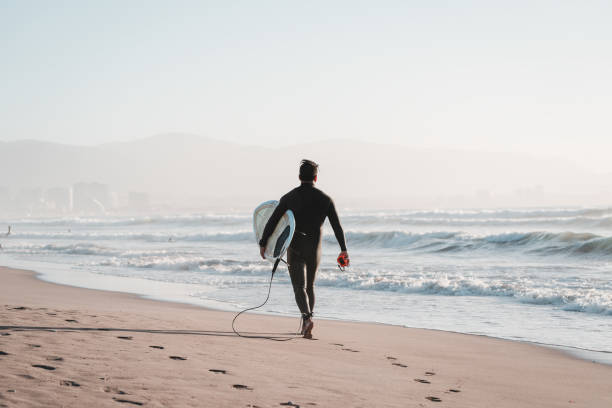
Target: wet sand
x: 66, y: 346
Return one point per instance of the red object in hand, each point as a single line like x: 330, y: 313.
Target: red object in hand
x: 343, y: 260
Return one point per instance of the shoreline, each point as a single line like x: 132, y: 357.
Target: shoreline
x: 586, y: 354
x: 106, y: 341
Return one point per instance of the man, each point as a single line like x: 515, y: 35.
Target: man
x: 310, y: 207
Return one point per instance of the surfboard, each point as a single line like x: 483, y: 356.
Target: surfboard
x: 283, y: 233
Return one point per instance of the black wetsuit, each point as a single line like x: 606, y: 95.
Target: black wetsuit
x: 310, y: 207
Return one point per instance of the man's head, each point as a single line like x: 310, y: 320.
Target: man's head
x: 308, y: 171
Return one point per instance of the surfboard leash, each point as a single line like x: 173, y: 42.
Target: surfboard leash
x: 275, y: 338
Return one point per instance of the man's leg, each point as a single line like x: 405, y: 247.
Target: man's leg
x: 312, y: 265
x: 296, y: 272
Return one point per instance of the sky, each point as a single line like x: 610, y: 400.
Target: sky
x: 520, y: 76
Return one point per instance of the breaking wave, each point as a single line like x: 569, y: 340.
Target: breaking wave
x: 538, y: 242
x: 136, y: 236
x: 570, y: 291
x: 119, y: 221
x: 599, y: 218
x: 582, y: 219
x: 587, y: 299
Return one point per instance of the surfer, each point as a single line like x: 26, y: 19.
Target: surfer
x: 310, y: 207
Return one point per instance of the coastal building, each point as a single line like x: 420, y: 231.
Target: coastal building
x: 29, y: 200
x: 58, y: 199
x: 91, y: 198
x: 138, y: 201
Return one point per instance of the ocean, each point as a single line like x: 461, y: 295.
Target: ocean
x: 534, y: 275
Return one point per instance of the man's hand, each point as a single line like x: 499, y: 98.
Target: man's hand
x: 262, y: 252
x: 345, y: 255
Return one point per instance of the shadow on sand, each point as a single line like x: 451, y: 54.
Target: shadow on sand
x: 251, y: 335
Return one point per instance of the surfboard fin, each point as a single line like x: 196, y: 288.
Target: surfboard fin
x: 276, y: 265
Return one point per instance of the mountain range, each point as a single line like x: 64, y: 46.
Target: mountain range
x: 184, y: 170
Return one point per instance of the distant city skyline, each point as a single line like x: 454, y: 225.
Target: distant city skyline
x: 527, y: 77
x: 182, y: 172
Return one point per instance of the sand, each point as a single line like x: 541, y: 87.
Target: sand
x: 63, y: 346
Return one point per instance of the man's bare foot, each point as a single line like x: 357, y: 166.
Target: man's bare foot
x: 307, y: 330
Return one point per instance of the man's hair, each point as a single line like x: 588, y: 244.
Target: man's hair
x: 308, y: 170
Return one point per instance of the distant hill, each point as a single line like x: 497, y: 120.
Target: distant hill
x: 188, y: 169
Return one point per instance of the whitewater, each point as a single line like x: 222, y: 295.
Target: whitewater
x: 537, y: 275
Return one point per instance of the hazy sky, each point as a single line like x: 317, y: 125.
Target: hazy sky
x: 530, y: 76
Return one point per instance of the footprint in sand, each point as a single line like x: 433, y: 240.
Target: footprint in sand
x: 26, y: 376
x: 289, y: 404
x: 20, y: 308
x: 420, y: 380
x: 70, y: 320
x: 44, y: 367
x: 434, y: 399
x: 125, y: 337
x: 114, y: 389
x: 337, y: 344
x: 242, y: 387
x: 429, y: 373
x: 55, y: 358
x: 70, y: 383
x: 124, y: 401
x: 157, y: 347
x: 34, y: 345
x: 399, y: 365
x: 217, y: 371
x: 454, y: 390
x: 391, y: 358
x: 351, y: 350
x: 178, y: 358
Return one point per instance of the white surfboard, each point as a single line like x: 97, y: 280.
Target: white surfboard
x: 283, y: 233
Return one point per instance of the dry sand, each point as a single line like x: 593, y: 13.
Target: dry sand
x: 66, y: 346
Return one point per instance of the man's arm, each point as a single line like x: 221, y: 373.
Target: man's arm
x: 335, y: 223
x: 270, y: 225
